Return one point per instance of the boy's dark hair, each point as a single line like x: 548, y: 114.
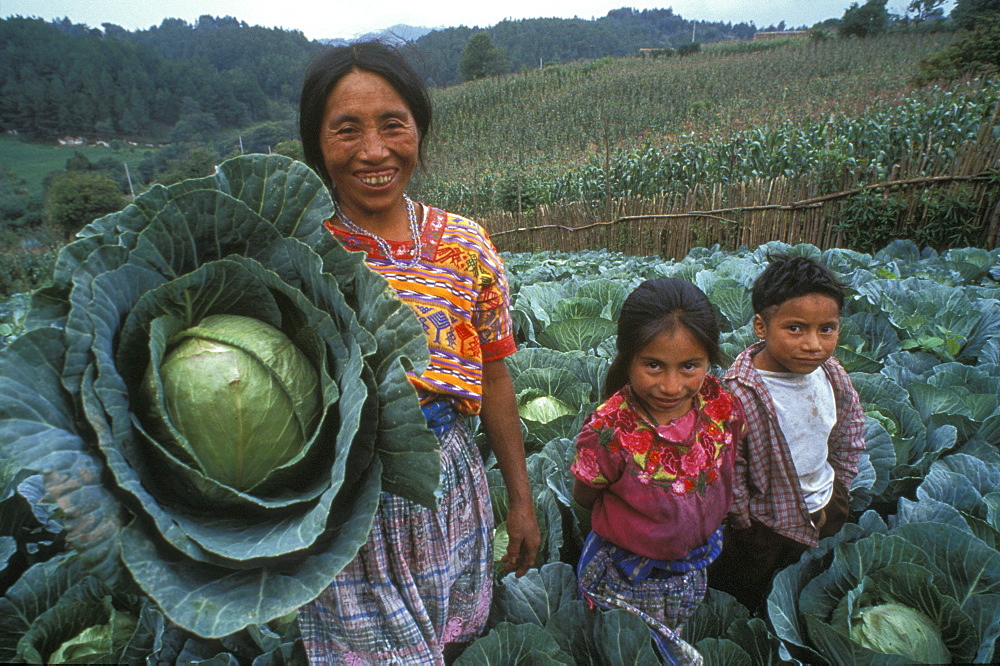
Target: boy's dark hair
x: 331, y: 65
x: 790, y: 277
x: 660, y: 306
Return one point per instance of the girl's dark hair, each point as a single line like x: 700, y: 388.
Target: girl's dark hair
x: 331, y: 65
x: 789, y: 277
x: 660, y: 306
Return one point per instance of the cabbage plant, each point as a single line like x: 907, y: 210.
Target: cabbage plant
x: 924, y: 592
x: 539, y: 619
x: 214, y: 394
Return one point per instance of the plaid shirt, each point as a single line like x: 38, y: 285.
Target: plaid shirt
x: 766, y: 485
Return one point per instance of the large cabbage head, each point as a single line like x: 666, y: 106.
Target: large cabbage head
x: 921, y: 592
x: 893, y: 628
x: 215, y: 394
x: 236, y: 396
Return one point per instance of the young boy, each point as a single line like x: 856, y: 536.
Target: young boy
x: 805, y: 429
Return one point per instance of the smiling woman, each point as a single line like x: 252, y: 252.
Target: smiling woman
x: 420, y: 588
x: 370, y: 142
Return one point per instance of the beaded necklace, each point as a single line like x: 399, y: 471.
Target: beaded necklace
x: 383, y: 244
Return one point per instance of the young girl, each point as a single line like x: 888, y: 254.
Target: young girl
x: 655, y: 464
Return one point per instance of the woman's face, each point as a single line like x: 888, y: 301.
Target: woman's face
x: 370, y: 143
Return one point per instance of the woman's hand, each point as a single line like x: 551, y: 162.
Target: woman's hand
x: 503, y: 431
x: 524, y: 539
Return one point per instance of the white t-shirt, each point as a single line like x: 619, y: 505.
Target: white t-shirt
x: 807, y: 412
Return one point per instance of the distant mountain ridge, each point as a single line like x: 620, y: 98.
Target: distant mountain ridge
x: 395, y: 34
x: 398, y: 33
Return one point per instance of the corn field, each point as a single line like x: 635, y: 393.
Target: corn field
x: 528, y: 128
x: 654, y: 155
x: 943, y: 193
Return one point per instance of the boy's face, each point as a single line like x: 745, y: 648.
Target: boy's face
x: 799, y: 334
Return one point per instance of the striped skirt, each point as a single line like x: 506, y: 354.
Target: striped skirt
x: 423, y: 579
x: 665, y: 600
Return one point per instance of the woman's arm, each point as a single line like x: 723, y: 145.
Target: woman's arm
x: 503, y: 431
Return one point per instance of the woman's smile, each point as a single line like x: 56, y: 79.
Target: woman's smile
x: 376, y: 180
x: 370, y: 143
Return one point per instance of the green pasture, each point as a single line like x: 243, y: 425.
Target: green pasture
x: 33, y: 161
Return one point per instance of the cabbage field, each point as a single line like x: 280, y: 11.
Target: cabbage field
x: 915, y: 578
x: 120, y: 542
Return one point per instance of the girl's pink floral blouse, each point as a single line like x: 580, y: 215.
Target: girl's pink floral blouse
x: 668, y: 487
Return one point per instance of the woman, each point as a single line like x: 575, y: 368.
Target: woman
x: 420, y: 588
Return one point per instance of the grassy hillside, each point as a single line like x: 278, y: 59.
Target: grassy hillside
x: 545, y: 121
x: 31, y: 162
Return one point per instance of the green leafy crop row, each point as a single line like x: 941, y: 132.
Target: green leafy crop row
x: 915, y: 575
x: 928, y: 128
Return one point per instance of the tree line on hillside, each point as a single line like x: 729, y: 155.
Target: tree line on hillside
x: 172, y: 82
x: 873, y: 18
x: 181, y: 82
x: 530, y: 43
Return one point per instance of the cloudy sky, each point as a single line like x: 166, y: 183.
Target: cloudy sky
x: 340, y: 18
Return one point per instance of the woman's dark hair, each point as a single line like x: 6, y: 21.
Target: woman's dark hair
x: 660, y: 306
x: 331, y: 65
x: 788, y: 277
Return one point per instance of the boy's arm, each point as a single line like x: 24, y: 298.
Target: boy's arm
x: 739, y: 513
x: 847, y: 440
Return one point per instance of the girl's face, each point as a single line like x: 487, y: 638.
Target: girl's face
x: 666, y: 374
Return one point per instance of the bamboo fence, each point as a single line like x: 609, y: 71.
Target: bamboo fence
x: 749, y: 213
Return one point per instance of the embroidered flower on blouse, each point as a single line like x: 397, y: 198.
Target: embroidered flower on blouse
x: 683, y: 486
x: 683, y: 466
x: 636, y: 442
x: 611, y: 404
x: 653, y: 460
x: 623, y: 419
x: 720, y: 407
x: 670, y: 463
x: 694, y: 460
x: 585, y: 466
x: 598, y: 423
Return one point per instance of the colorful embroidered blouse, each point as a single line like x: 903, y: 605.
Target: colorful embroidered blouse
x: 460, y: 295
x: 666, y: 488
